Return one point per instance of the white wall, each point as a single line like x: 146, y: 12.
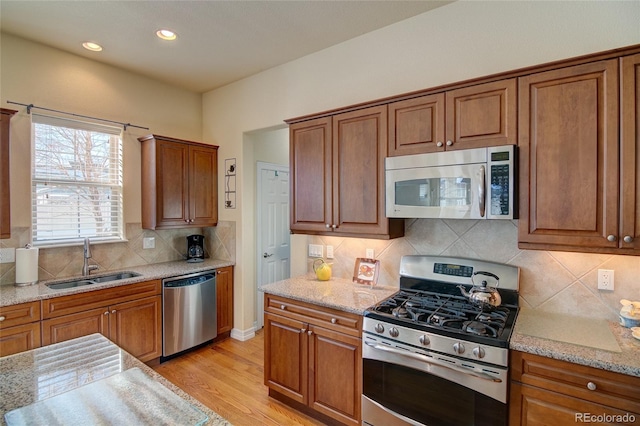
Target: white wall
x: 456, y: 42
x: 31, y: 73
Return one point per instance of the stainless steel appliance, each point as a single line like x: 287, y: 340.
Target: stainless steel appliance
x: 466, y: 184
x: 195, y: 248
x: 188, y: 311
x: 433, y: 356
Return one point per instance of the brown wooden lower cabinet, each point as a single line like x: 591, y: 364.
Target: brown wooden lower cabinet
x: 313, y: 356
x: 224, y: 296
x: 130, y: 316
x: 19, y: 328
x: 545, y: 391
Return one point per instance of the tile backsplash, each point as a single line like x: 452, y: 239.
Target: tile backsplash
x: 220, y: 242
x: 550, y: 281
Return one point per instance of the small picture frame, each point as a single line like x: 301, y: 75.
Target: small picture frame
x: 366, y: 271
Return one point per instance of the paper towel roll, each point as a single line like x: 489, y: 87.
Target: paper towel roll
x: 26, y: 266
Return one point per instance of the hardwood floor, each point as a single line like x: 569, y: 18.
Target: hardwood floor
x: 228, y: 378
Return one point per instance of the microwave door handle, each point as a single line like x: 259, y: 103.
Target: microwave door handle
x: 481, y: 191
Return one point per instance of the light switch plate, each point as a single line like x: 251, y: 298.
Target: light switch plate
x: 329, y: 252
x: 8, y: 255
x: 315, y: 250
x: 148, y: 243
x: 369, y: 254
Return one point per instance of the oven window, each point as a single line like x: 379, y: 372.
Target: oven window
x: 434, y: 192
x: 429, y: 399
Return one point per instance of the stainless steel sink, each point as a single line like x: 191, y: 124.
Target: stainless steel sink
x: 79, y: 282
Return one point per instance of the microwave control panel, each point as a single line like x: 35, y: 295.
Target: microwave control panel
x: 501, y: 182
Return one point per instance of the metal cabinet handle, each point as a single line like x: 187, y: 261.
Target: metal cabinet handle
x: 628, y: 239
x: 481, y: 189
x: 283, y: 307
x: 113, y: 312
x: 309, y: 332
x: 439, y: 143
x: 2, y: 318
x: 449, y: 143
x: 591, y: 386
x: 106, y: 313
x: 334, y: 321
x: 611, y: 238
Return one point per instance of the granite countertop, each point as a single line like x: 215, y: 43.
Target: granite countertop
x: 592, y: 342
x: 337, y: 293
x: 94, y: 380
x: 12, y: 295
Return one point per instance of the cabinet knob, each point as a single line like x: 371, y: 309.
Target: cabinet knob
x: 439, y: 143
x: 303, y: 330
x: 106, y: 312
x: 113, y: 312
x: 449, y: 143
x: 283, y: 307
x: 327, y: 225
x: 309, y: 332
x: 591, y: 386
x: 334, y: 226
x: 2, y: 318
x: 334, y: 321
x: 611, y: 237
x: 628, y: 239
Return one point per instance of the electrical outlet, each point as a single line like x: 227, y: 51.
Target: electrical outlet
x: 329, y: 252
x: 148, y: 243
x: 605, y: 279
x: 315, y: 250
x: 7, y: 255
x: 369, y: 254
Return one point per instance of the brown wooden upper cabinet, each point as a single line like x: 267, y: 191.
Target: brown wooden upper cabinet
x: 5, y: 198
x: 579, y: 179
x: 179, y: 183
x: 337, y: 184
x: 470, y: 117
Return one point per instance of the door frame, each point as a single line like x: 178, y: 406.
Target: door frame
x: 260, y: 166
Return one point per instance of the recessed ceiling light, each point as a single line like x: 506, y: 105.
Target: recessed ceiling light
x: 166, y: 34
x: 94, y: 47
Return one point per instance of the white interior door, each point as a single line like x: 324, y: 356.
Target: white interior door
x: 273, y: 257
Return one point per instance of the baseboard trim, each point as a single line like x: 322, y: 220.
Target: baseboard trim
x: 243, y: 335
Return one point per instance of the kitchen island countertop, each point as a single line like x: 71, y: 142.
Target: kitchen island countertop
x: 12, y: 295
x: 337, y: 293
x: 48, y: 383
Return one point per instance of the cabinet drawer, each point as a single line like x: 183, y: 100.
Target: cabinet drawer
x: 95, y: 299
x: 332, y: 319
x: 591, y: 384
x: 23, y: 313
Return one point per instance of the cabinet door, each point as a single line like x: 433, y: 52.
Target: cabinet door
x: 172, y: 184
x: 5, y: 199
x: 69, y: 327
x: 335, y: 374
x: 532, y: 406
x: 630, y: 154
x: 137, y: 327
x: 310, y: 163
x: 416, y: 126
x: 203, y: 186
x: 569, y: 157
x: 224, y: 299
x: 359, y: 150
x: 482, y: 115
x: 19, y: 338
x: 286, y: 357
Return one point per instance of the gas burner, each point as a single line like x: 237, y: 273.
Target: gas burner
x: 400, y: 312
x: 480, y: 329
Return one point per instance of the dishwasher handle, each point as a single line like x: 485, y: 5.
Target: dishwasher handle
x: 189, y: 281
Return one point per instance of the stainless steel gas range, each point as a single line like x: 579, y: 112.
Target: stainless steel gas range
x: 435, y: 353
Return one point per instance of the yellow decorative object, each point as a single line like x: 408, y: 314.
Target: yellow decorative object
x: 322, y: 270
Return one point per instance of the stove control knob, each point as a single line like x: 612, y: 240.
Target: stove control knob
x: 393, y: 332
x: 478, y: 352
x: 379, y: 328
x: 424, y: 340
x: 458, y: 348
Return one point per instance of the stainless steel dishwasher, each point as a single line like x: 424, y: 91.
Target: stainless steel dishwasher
x: 188, y: 311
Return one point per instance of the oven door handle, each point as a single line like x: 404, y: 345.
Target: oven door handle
x: 429, y: 361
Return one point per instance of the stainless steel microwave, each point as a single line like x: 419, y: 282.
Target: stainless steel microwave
x: 477, y: 183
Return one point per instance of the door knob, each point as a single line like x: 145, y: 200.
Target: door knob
x: 265, y: 255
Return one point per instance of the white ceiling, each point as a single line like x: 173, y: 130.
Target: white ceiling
x: 218, y: 41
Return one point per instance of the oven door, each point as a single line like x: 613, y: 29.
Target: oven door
x: 456, y: 192
x: 403, y: 389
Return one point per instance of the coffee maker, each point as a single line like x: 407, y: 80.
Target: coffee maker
x: 195, y: 248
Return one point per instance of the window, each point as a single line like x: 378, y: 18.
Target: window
x: 76, y: 181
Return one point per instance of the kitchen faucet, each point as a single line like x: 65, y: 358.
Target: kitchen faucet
x: 86, y: 268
